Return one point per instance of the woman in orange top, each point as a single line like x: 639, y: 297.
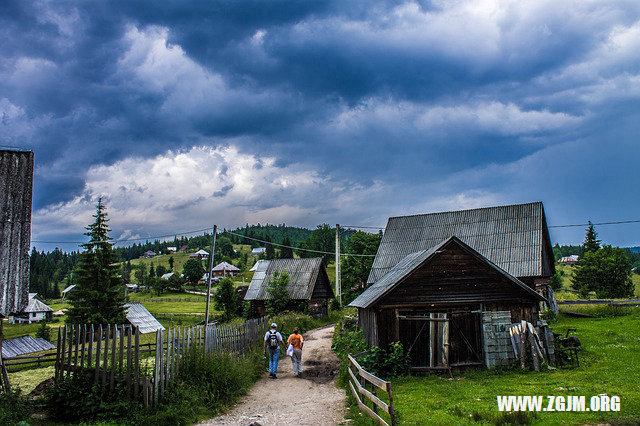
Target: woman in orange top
x: 297, y: 341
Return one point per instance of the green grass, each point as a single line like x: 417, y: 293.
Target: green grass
x: 166, y: 304
x: 179, y: 260
x: 27, y: 380
x: 608, y: 364
x: 567, y: 285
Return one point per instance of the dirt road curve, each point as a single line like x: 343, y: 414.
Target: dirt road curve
x: 313, y: 399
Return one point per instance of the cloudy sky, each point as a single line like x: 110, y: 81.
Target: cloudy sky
x: 184, y: 115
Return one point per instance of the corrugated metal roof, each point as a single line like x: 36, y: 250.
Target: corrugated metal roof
x: 16, y: 184
x: 225, y: 266
x: 513, y: 237
x: 303, y: 274
x: 18, y: 346
x: 68, y: 289
x: 412, y: 261
x: 36, y: 305
x: 140, y: 317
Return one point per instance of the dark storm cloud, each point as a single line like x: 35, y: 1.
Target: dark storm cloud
x: 405, y: 93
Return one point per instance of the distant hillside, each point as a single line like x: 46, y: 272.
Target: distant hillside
x: 634, y: 249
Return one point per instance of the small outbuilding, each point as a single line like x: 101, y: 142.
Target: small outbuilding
x: 67, y: 291
x: 35, y: 311
x: 139, y: 316
x: 308, y: 283
x: 569, y: 260
x: 257, y: 251
x: 19, y: 346
x: 225, y: 269
x: 200, y: 254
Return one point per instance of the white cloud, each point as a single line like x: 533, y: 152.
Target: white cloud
x: 180, y: 191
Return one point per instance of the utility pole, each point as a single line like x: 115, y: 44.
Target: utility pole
x: 211, y: 256
x: 338, y: 283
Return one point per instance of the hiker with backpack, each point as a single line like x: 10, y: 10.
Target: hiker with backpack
x: 272, y: 342
x: 296, y: 341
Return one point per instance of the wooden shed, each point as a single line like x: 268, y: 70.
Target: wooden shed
x: 308, y: 282
x: 437, y: 303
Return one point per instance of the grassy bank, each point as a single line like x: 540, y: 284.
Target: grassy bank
x: 608, y: 365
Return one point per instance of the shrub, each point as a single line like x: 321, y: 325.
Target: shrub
x: 278, y: 293
x: 14, y: 408
x: 386, y: 363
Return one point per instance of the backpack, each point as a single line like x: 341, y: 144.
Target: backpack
x: 273, y: 339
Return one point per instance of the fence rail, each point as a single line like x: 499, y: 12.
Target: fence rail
x: 358, y: 383
x: 114, y: 353
x: 610, y: 302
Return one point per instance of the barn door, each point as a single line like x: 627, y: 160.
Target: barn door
x: 425, y: 338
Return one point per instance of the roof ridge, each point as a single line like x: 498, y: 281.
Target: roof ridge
x: 468, y: 210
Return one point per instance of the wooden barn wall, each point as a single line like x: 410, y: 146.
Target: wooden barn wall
x: 519, y: 312
x: 16, y: 185
x: 455, y: 276
x: 322, y: 288
x: 369, y: 325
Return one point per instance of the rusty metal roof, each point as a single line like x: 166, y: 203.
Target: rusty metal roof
x: 16, y: 184
x: 303, y: 274
x: 513, y: 237
x: 140, y: 317
x: 18, y: 346
x: 413, y: 260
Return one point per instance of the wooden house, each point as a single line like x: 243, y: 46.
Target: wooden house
x: 35, y: 311
x: 448, y: 285
x: 225, y: 269
x: 308, y: 283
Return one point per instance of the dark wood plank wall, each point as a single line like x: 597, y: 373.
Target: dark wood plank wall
x: 322, y: 288
x: 454, y: 276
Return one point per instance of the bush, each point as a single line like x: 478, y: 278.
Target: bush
x: 14, y: 408
x: 386, y: 363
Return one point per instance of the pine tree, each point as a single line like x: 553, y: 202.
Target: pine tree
x: 286, y: 252
x: 591, y: 241
x: 98, y: 297
x: 270, y: 252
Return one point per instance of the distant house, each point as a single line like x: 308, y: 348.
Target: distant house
x: 200, y: 254
x: 449, y: 285
x: 132, y: 288
x: 569, y: 260
x: 172, y: 249
x: 167, y: 275
x: 257, y: 251
x: 139, y: 316
x: 308, y: 282
x: 184, y: 248
x: 35, y: 311
x: 150, y: 253
x: 225, y: 269
x: 67, y: 291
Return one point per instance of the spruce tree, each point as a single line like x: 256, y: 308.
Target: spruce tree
x: 286, y: 252
x: 591, y: 241
x: 98, y: 297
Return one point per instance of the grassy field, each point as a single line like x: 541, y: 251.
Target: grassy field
x: 608, y: 365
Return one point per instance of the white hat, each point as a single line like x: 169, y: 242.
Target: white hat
x: 274, y: 325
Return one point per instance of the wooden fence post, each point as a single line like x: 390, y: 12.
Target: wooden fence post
x: 136, y: 384
x: 98, y: 346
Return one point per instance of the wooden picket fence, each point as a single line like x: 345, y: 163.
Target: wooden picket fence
x: 116, y: 356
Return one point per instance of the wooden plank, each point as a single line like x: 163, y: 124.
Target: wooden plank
x: 84, y: 341
x: 372, y: 397
x: 121, y: 353
x: 77, y: 348
x: 534, y: 352
x: 169, y: 353
x: 145, y: 392
x: 98, y: 345
x: 523, y: 333
x: 70, y: 350
x: 136, y: 365
x: 91, y: 337
x: 128, y: 374
x: 366, y: 409
x: 105, y: 361
x: 156, y: 370
x: 58, y: 363
x: 392, y: 414
x: 112, y: 375
x: 368, y: 376
x: 432, y: 343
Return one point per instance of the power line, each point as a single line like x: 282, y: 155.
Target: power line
x: 298, y: 248
x: 621, y: 222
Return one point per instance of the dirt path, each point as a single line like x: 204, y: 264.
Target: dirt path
x: 313, y: 399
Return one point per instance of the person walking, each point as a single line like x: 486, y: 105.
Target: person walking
x: 297, y: 341
x: 272, y: 342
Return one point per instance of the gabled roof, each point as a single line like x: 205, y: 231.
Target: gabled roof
x: 24, y: 345
x: 202, y: 252
x: 69, y: 288
x: 225, y: 266
x: 167, y: 275
x: 412, y: 261
x: 35, y: 305
x: 140, y: 317
x: 303, y: 275
x: 258, y: 250
x: 513, y: 237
